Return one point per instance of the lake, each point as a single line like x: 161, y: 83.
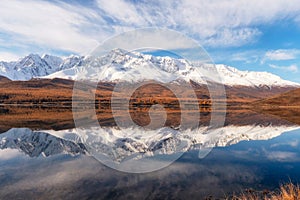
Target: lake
x: 43, y: 156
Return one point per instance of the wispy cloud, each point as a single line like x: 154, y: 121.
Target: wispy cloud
x: 249, y: 56
x: 281, y: 54
x: 214, y: 23
x: 47, y: 24
x: 231, y: 38
x: 78, y: 28
x: 291, y: 68
x: 6, y: 56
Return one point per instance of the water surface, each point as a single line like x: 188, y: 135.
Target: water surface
x: 44, y: 159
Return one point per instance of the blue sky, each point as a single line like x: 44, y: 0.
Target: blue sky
x: 249, y: 35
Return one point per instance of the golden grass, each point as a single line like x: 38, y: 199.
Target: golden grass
x: 288, y: 191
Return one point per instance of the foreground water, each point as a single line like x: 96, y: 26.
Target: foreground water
x: 47, y: 164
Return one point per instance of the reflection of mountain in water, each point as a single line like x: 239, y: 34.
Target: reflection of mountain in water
x: 136, y: 142
x: 34, y: 143
x: 133, y: 143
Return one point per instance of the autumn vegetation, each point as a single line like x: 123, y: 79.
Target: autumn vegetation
x: 288, y: 191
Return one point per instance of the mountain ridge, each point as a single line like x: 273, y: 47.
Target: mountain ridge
x: 134, y: 66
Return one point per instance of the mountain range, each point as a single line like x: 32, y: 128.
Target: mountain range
x: 118, y: 65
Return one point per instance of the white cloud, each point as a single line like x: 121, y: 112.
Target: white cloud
x: 47, y: 24
x: 291, y: 68
x: 75, y: 28
x: 281, y: 54
x: 6, y: 56
x: 216, y: 23
x: 121, y: 11
x: 250, y: 56
x: 231, y: 38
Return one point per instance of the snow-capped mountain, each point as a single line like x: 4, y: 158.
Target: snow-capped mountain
x: 233, y: 76
x: 34, y: 66
x: 34, y: 143
x: 120, y: 65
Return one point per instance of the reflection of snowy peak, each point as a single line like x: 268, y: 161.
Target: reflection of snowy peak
x: 133, y: 143
x: 119, y: 65
x: 35, y: 144
x: 137, y: 143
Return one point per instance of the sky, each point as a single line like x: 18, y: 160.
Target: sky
x: 257, y: 35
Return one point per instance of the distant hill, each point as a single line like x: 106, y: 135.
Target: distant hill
x: 290, y: 98
x: 39, y: 91
x: 284, y: 106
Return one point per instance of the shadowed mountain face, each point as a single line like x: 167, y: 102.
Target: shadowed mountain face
x: 4, y: 79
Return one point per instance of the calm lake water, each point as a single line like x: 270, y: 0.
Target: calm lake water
x: 252, y: 151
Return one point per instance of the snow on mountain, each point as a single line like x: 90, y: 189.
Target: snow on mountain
x: 34, y: 66
x: 233, y: 76
x: 53, y: 61
x: 120, y: 65
x: 34, y: 143
x: 72, y: 61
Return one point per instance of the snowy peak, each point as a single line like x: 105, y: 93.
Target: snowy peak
x: 34, y: 66
x: 121, y: 65
x: 233, y: 76
x: 72, y: 61
x: 53, y: 61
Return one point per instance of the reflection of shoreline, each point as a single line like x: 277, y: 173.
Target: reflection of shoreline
x: 62, y: 118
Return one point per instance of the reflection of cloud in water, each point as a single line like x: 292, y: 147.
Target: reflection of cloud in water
x: 84, y: 177
x: 282, y: 156
x: 9, y: 154
x: 294, y: 144
x: 222, y: 171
